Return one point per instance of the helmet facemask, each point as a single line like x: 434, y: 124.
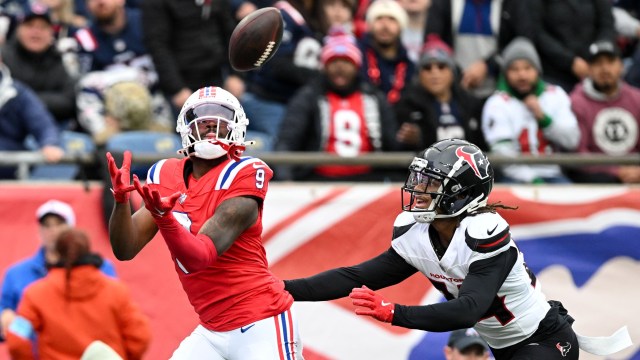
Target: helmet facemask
x: 210, y: 130
x: 449, y: 198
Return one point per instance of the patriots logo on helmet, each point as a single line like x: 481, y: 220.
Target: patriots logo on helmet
x: 475, y: 159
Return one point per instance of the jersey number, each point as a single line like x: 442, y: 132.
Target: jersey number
x: 259, y: 178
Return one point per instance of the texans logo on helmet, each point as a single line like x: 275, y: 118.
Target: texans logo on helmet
x: 474, y: 159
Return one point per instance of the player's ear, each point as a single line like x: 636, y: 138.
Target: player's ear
x: 448, y: 352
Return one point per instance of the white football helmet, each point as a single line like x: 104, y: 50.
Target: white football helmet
x: 212, y: 124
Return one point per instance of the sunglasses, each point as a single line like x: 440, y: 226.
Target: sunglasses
x: 429, y: 67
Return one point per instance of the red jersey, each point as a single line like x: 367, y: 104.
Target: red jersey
x: 238, y: 289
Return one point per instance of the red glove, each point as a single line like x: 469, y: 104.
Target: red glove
x: 120, y: 177
x: 374, y: 304
x: 158, y: 206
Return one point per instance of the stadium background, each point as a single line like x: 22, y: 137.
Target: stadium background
x: 583, y: 243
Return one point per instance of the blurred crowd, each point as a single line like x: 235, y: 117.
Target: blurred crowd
x: 350, y: 77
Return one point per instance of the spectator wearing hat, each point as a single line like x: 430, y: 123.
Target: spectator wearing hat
x: 339, y: 113
x: 528, y: 116
x: 478, y: 31
x: 564, y: 29
x: 33, y: 58
x: 386, y: 63
x: 608, y: 112
x: 434, y: 106
x: 466, y: 344
x: 75, y: 304
x: 53, y: 218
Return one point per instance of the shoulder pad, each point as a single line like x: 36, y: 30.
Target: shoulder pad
x: 232, y: 168
x: 404, y: 222
x: 153, y: 174
x: 487, y: 232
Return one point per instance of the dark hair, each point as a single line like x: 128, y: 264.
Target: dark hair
x: 72, y: 245
x: 493, y: 208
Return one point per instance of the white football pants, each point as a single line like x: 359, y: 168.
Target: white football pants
x: 273, y: 338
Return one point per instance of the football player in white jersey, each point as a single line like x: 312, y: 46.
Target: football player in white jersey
x: 449, y: 233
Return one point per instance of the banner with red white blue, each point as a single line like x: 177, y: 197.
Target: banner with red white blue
x: 582, y: 242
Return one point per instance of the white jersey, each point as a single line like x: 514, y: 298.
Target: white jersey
x: 511, y: 129
x: 519, y: 305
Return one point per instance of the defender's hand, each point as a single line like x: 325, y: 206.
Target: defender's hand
x: 372, y: 304
x: 120, y: 182
x: 157, y: 205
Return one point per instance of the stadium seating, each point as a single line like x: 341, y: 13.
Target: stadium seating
x: 144, y: 142
x: 74, y: 144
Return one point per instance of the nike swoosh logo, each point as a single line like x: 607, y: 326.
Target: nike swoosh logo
x: 489, y: 232
x: 258, y: 166
x: 246, y: 328
x: 384, y: 303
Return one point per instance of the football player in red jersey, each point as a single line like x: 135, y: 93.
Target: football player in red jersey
x: 449, y: 233
x: 208, y: 208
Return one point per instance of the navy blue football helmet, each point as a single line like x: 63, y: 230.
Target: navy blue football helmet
x: 455, y: 173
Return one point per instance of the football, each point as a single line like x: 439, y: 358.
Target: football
x: 255, y: 39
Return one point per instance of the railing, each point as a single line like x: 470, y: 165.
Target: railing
x: 23, y: 160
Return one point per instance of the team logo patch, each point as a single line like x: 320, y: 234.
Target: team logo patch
x: 564, y: 349
x: 474, y: 159
x: 207, y: 92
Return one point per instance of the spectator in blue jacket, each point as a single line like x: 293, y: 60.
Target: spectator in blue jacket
x: 23, y: 114
x: 53, y: 217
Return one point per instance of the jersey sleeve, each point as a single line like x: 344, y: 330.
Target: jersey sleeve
x: 487, y: 235
x: 247, y: 177
x: 157, y: 173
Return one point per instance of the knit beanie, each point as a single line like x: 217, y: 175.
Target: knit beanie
x: 521, y: 48
x: 389, y: 8
x: 340, y: 45
x: 436, y: 50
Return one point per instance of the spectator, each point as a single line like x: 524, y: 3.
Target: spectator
x: 564, y: 31
x: 339, y: 113
x: 23, y: 114
x: 188, y: 42
x: 608, y: 112
x: 386, y: 63
x: 336, y: 14
x: 74, y: 305
x: 435, y: 107
x: 466, y: 344
x: 414, y: 35
x: 117, y: 69
x: 53, y: 217
x: 477, y: 34
x: 294, y: 65
x: 32, y: 57
x: 528, y: 116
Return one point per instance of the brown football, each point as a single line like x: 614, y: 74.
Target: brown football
x: 255, y: 39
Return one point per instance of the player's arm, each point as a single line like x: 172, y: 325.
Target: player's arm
x: 127, y: 234
x: 386, y: 269
x: 196, y: 252
x: 230, y: 219
x: 477, y: 293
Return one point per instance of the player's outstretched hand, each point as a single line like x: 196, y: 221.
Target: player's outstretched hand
x: 120, y: 178
x: 370, y: 303
x: 157, y: 205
